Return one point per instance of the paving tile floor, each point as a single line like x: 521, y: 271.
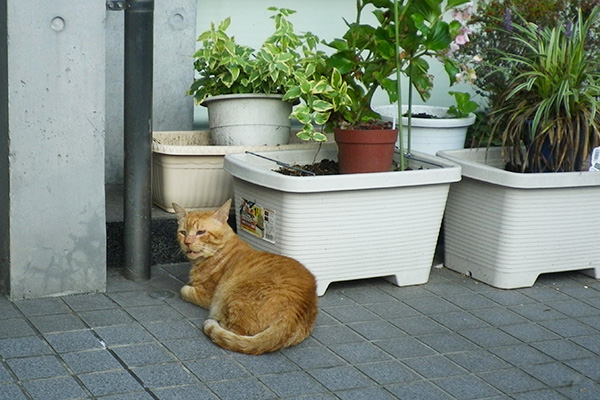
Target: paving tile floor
x: 452, y: 338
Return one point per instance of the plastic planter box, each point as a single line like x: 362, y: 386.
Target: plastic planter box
x: 505, y: 228
x: 188, y: 170
x: 344, y: 227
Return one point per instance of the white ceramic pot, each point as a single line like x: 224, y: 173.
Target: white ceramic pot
x: 506, y: 228
x: 249, y: 119
x: 430, y: 135
x: 344, y: 227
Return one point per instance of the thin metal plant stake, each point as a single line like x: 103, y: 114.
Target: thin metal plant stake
x: 398, y: 77
x: 281, y: 163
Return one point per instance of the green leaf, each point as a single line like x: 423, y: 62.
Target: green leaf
x: 292, y: 93
x: 319, y: 137
x: 225, y: 24
x: 321, y: 105
x: 305, y: 134
x: 322, y: 118
x: 438, y: 37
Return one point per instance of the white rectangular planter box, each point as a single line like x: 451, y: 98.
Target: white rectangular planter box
x: 505, y: 228
x: 188, y: 170
x: 344, y: 227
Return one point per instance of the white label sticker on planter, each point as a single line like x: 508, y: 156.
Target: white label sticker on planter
x: 257, y: 220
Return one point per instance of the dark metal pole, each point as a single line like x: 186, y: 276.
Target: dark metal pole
x: 139, y: 43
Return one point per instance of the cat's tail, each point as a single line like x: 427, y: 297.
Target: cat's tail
x: 273, y: 338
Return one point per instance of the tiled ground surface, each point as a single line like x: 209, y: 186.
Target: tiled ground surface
x: 452, y: 338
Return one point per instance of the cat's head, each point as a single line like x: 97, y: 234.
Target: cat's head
x: 202, y: 233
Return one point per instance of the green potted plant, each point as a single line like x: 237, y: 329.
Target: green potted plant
x: 536, y: 209
x: 372, y: 58
x: 255, y: 79
x: 337, y: 225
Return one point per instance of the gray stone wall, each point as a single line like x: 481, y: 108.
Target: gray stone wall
x: 52, y: 218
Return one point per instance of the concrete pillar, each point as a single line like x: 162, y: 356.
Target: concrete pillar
x: 52, y: 111
x: 174, y: 46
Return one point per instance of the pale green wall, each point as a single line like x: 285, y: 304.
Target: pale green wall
x: 251, y: 25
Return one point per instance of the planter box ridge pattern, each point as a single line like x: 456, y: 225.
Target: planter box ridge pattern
x: 506, y: 228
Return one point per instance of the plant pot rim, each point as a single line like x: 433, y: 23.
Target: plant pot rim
x: 389, y: 111
x: 260, y: 172
x: 238, y: 96
x: 485, y: 165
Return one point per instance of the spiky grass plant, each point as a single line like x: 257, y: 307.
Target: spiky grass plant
x: 548, y: 115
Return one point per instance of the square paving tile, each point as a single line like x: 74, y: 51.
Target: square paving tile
x: 110, y: 317
x: 563, y: 350
x: 89, y: 302
x: 23, y: 347
x: 174, y: 329
x: 214, y: 369
x: 124, y: 335
x: 189, y: 392
x: 61, y: 388
x: 165, y: 375
x: 341, y: 378
x: 480, y: 361
x: 111, y: 382
x: 57, y: 323
x: 376, y: 330
x: 418, y: 390
x: 193, y: 348
x: 15, y: 327
x: 365, y: 394
x: 37, y: 367
x: 338, y: 333
x: 292, y: 384
x: 91, y: 361
x: 46, y: 306
x: 243, y: 389
x: 346, y: 314
x: 511, y: 381
x: 358, y: 353
x: 388, y: 372
x: 12, y: 391
x: 434, y: 366
x: 65, y: 342
x: 417, y: 326
x: 467, y: 387
x: 312, y: 357
x: 405, y: 347
x: 530, y: 332
x: 143, y: 354
x: 554, y: 374
x: 266, y: 364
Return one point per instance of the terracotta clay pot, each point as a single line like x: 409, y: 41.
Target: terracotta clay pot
x: 364, y: 150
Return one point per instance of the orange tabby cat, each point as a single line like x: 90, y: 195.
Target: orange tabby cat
x: 259, y: 302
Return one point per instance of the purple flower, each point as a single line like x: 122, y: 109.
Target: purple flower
x: 508, y: 20
x: 569, y: 29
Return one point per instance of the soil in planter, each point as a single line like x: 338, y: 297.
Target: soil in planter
x: 423, y: 115
x: 323, y: 167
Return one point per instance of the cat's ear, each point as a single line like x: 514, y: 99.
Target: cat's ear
x: 222, y: 214
x: 179, y: 211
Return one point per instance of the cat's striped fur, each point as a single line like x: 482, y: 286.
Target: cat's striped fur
x: 259, y: 302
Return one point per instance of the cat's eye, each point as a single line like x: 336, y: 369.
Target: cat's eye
x: 182, y: 232
x: 200, y: 233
